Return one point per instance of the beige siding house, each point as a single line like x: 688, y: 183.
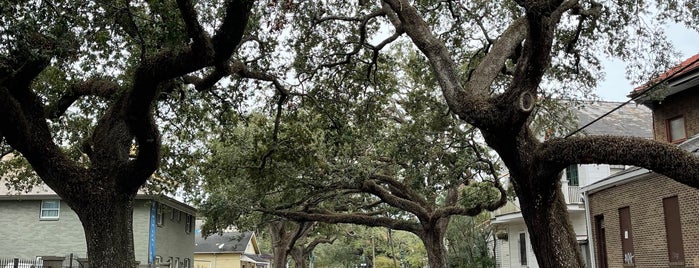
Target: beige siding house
x: 38, y: 224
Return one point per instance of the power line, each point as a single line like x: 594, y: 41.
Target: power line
x: 641, y: 94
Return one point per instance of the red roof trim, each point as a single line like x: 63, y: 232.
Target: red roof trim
x: 686, y: 66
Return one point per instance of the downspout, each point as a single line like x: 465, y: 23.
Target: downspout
x: 590, y: 237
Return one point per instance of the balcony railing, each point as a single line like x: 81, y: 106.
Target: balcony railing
x: 574, y: 195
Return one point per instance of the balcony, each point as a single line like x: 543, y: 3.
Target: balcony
x: 574, y: 195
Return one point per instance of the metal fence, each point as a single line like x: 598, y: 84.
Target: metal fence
x: 70, y: 261
x: 21, y: 263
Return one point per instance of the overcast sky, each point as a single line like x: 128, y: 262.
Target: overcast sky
x: 616, y: 87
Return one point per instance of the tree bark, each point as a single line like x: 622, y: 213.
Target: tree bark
x: 433, y: 239
x: 297, y: 254
x: 551, y: 235
x: 280, y: 244
x: 107, y: 223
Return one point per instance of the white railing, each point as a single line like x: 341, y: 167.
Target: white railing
x: 574, y: 195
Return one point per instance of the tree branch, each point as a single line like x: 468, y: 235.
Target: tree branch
x: 411, y: 206
x: 472, y: 103
x: 92, y: 87
x: 194, y: 30
x: 349, y: 218
x: 660, y: 157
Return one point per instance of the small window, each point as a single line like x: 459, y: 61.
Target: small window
x: 158, y: 259
x: 522, y: 248
x: 161, y: 215
x: 572, y: 175
x: 50, y: 209
x: 188, y: 223
x: 177, y: 262
x: 179, y: 216
x: 676, y: 131
x: 172, y: 216
x: 186, y: 263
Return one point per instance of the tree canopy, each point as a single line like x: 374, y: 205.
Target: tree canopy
x: 372, y: 90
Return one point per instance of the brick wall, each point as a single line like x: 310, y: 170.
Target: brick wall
x: 644, y: 197
x: 683, y: 103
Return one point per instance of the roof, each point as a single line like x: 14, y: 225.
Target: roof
x: 229, y: 242
x: 258, y: 258
x: 685, y: 67
x: 629, y: 120
x: 43, y: 192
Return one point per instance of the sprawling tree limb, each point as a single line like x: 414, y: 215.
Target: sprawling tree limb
x: 459, y: 100
x: 401, y: 188
x: 411, y: 206
x: 350, y: 218
x: 92, y: 87
x: 661, y: 157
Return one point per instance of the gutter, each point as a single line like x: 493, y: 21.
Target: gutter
x: 590, y: 237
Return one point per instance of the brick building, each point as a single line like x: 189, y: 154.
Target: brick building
x: 639, y: 218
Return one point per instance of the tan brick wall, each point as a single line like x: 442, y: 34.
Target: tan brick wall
x: 644, y: 197
x: 684, y: 103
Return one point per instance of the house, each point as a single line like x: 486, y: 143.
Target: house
x: 512, y: 246
x: 37, y: 224
x: 229, y: 250
x: 643, y: 219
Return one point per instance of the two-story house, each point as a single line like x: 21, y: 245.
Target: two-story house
x: 643, y: 219
x: 512, y: 244
x: 38, y: 224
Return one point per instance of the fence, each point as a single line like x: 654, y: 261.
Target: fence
x: 69, y: 261
x: 21, y: 263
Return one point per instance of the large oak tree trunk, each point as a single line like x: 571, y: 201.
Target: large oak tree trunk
x: 552, y: 237
x: 107, y: 222
x: 538, y: 187
x: 299, y: 258
x: 280, y: 244
x: 433, y: 239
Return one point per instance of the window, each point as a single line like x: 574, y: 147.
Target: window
x: 188, y: 223
x: 50, y: 209
x: 673, y: 231
x: 172, y: 216
x: 522, y: 248
x: 177, y: 262
x: 158, y: 259
x: 185, y: 264
x: 161, y: 215
x: 676, y: 131
x: 179, y: 216
x: 572, y: 175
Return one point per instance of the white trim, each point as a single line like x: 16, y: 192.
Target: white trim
x: 590, y: 237
x: 615, y: 180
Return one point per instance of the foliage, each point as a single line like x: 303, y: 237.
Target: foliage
x: 469, y: 240
x: 357, y: 247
